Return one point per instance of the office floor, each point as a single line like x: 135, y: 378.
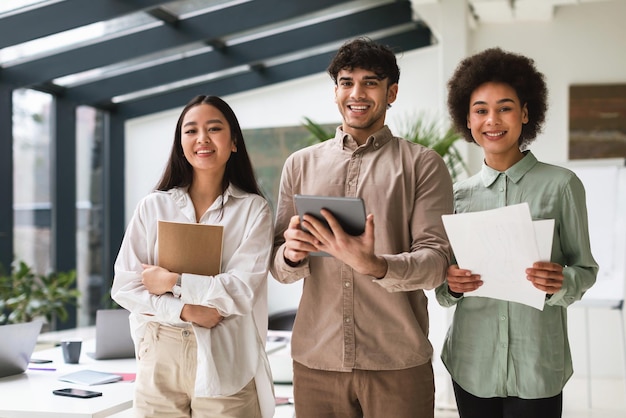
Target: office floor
x: 608, y: 400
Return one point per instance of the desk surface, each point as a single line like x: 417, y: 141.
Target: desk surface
x: 29, y: 395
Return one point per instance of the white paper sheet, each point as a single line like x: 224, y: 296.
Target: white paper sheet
x: 500, y: 244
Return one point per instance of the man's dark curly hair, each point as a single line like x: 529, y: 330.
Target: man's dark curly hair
x: 366, y: 54
x: 496, y: 65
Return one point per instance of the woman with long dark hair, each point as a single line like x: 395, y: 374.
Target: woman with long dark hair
x: 200, y: 339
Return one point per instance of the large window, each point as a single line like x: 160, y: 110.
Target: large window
x: 31, y: 178
x: 89, y: 196
x: 32, y: 153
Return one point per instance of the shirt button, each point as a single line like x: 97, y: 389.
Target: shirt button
x: 501, y: 189
x: 348, y: 320
x: 503, y: 317
x: 185, y: 333
x: 347, y: 284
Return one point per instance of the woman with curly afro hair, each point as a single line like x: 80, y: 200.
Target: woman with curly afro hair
x: 508, y: 359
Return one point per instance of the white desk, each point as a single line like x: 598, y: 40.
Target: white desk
x: 279, y: 354
x: 29, y: 395
x: 284, y: 411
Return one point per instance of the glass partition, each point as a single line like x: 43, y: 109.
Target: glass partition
x: 31, y: 178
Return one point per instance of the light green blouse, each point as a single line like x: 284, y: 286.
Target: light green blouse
x: 496, y: 348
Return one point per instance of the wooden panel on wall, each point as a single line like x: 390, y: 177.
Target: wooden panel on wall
x: 597, y: 121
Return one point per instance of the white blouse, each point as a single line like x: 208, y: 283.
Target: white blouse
x: 232, y: 353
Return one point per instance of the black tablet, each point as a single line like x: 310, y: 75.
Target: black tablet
x: 349, y: 211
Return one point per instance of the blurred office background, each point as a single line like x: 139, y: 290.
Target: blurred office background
x: 90, y: 95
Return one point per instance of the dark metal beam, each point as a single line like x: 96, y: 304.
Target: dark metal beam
x: 63, y: 166
x: 6, y: 178
x: 62, y: 16
x: 414, y: 38
x: 222, y: 87
x: 63, y: 244
x: 377, y: 18
x: 203, y: 27
x: 113, y: 199
x: 164, y: 16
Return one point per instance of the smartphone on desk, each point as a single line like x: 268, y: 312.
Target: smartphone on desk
x: 39, y: 361
x: 76, y: 393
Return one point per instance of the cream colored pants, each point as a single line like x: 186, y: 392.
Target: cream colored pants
x: 166, y: 374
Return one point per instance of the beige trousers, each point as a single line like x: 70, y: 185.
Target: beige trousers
x: 166, y: 374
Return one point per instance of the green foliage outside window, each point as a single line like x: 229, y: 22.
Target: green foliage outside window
x: 26, y: 295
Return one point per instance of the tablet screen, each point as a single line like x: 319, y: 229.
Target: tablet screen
x: 349, y: 211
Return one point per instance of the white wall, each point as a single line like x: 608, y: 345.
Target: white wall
x: 582, y: 44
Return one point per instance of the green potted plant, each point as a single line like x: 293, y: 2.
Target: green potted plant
x: 26, y: 295
x: 436, y: 134
x: 429, y: 132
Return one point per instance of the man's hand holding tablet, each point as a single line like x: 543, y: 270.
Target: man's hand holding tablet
x: 349, y: 212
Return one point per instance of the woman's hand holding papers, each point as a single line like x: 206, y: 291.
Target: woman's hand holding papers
x: 461, y: 280
x: 546, y: 276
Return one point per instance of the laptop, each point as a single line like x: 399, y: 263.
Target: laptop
x: 113, y: 339
x: 17, y: 343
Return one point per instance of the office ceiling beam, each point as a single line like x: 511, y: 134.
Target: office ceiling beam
x: 62, y: 16
x: 414, y: 38
x: 253, y: 52
x: 203, y: 27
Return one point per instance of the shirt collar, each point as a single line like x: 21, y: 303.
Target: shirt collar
x: 515, y: 173
x: 375, y: 141
x: 181, y: 196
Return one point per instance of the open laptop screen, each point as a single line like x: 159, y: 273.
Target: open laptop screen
x: 17, y: 342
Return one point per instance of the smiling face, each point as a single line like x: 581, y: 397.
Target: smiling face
x: 206, y: 139
x: 495, y: 119
x: 362, y: 98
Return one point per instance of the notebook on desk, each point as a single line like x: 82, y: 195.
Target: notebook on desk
x: 113, y: 339
x: 17, y: 342
x: 90, y: 377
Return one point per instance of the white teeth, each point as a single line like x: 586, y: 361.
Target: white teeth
x: 204, y: 152
x: 494, y: 134
x: 358, y: 107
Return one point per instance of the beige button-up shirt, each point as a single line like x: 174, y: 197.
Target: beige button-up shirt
x: 347, y: 320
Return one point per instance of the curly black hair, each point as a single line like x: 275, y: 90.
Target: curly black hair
x: 366, y: 54
x: 496, y: 65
